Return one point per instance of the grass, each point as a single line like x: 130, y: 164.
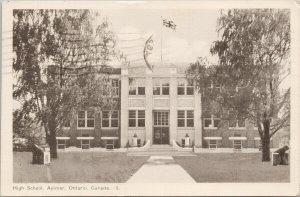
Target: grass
x: 237, y: 167
x: 77, y: 167
x: 89, y: 167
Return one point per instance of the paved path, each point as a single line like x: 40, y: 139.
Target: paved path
x: 161, y: 169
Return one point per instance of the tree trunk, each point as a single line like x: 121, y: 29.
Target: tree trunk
x: 265, y: 149
x: 266, y: 141
x: 53, y: 144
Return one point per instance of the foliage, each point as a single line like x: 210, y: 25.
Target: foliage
x: 26, y: 127
x: 59, y: 55
x: 253, y: 52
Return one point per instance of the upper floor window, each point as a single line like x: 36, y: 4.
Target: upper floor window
x: 67, y: 124
x: 136, y: 118
x: 115, y: 86
x: 236, y: 122
x: 185, y: 87
x: 85, y: 119
x: 161, y: 86
x: 215, y: 86
x: 185, y: 118
x: 136, y: 86
x: 110, y: 119
x: 240, y: 88
x: 211, y: 120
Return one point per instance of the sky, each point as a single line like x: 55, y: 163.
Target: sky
x: 195, y: 32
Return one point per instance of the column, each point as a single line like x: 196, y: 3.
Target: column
x: 173, y: 105
x: 197, y: 119
x: 149, y: 106
x: 124, y: 107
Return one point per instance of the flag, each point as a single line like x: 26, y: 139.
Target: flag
x: 147, y: 51
x: 169, y: 24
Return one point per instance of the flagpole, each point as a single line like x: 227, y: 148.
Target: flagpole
x: 161, y: 24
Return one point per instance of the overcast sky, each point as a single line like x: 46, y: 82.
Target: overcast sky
x: 195, y: 32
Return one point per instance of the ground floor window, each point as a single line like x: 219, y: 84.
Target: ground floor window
x: 85, y: 119
x: 237, y: 144
x: 185, y: 118
x: 61, y: 144
x: 67, y: 124
x: 110, y: 144
x: 85, y: 144
x: 211, y: 120
x: 110, y: 119
x: 136, y: 118
x: 212, y: 144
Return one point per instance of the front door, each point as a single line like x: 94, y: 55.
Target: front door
x: 161, y: 127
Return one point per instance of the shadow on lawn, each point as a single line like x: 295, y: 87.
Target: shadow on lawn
x: 77, y: 167
x: 235, y: 167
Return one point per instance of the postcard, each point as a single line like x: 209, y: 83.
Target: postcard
x: 159, y: 98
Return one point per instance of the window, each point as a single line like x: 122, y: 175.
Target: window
x: 239, y: 88
x: 110, y: 119
x: 136, y: 86
x: 161, y: 87
x: 90, y: 119
x: 185, y: 118
x: 215, y: 86
x: 115, y: 87
x: 67, y: 124
x: 132, y: 118
x: 85, y: 144
x: 211, y: 120
x: 190, y: 118
x: 236, y: 123
x: 237, y: 144
x: 161, y: 118
x: 212, y: 144
x: 185, y: 87
x: 85, y: 119
x: 136, y: 118
x: 180, y: 118
x: 61, y: 144
x: 141, y: 118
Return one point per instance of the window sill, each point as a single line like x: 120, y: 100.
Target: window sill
x: 136, y: 96
x: 185, y: 96
x: 111, y: 97
x: 186, y: 128
x: 136, y: 128
x: 237, y: 128
x: 211, y: 128
x: 66, y: 128
x: 109, y: 128
x: 85, y: 128
x: 161, y: 96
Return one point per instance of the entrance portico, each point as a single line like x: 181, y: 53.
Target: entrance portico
x: 159, y: 95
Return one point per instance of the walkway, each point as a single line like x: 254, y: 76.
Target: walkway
x: 161, y: 169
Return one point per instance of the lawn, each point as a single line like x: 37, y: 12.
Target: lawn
x: 76, y: 167
x: 236, y: 167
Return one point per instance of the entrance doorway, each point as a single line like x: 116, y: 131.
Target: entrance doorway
x: 161, y: 127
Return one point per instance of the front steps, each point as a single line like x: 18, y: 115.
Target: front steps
x: 165, y: 150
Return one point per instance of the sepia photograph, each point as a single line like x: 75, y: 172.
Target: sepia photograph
x: 112, y: 96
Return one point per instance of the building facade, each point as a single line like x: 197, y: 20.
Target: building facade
x: 158, y: 106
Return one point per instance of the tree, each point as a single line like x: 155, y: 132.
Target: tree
x: 57, y: 65
x: 253, y: 52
